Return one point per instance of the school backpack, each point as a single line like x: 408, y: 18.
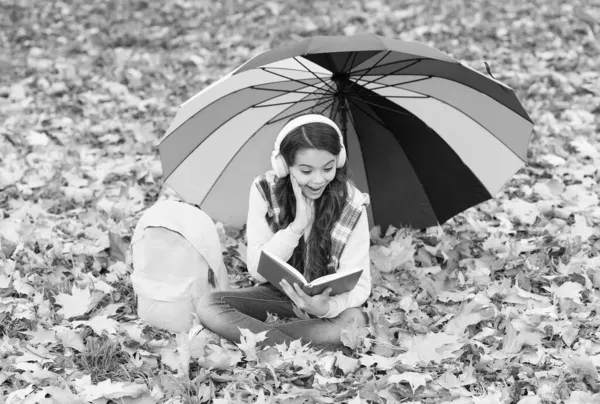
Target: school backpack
x: 177, y: 261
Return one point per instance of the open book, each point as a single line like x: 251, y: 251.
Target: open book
x: 274, y: 269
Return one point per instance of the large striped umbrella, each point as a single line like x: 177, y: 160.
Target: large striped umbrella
x: 426, y: 136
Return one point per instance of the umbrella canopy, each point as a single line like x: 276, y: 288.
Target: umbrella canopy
x: 427, y: 137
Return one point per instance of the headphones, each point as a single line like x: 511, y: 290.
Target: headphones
x: 278, y: 162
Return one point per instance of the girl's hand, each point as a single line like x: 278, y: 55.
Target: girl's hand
x: 317, y: 305
x: 304, y: 208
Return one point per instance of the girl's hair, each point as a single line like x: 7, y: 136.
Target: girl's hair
x: 328, y: 208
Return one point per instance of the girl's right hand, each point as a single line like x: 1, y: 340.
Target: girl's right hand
x: 304, y: 208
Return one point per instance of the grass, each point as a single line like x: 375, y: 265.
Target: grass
x: 104, y: 359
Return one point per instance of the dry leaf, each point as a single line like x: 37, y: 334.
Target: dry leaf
x: 75, y: 304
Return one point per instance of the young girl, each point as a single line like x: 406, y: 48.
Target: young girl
x: 308, y: 213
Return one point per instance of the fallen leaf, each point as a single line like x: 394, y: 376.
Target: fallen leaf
x: 41, y: 336
x: 570, y: 290
x: 415, y: 380
x: 69, y: 338
x: 99, y: 324
x: 75, y: 304
x: 52, y: 395
x: 346, y: 364
x: 471, y: 313
x: 380, y: 362
x: 108, y: 389
x: 248, y: 342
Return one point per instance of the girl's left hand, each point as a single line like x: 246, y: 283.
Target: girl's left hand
x: 317, y: 305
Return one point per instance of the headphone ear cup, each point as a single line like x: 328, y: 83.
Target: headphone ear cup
x: 341, y: 158
x: 279, y: 166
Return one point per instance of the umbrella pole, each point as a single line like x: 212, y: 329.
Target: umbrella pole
x: 344, y: 125
x: 341, y: 81
x: 344, y: 114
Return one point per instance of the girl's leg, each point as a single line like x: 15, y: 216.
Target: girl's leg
x: 325, y: 331
x: 226, y: 312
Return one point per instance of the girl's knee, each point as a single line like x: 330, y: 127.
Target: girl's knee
x: 210, y: 299
x: 355, y: 315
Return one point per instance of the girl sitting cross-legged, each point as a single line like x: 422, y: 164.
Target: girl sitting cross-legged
x: 307, y: 212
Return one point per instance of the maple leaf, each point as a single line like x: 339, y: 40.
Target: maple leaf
x: 583, y: 397
x: 400, y: 253
x: 219, y: 357
x: 449, y: 381
x: 345, y: 364
x: 514, y: 340
x: 75, y: 304
x: 248, y: 341
x: 380, y: 362
x: 414, y: 379
x: 570, y: 290
x: 435, y: 346
x: 69, y: 338
x: 471, y: 313
x: 34, y: 373
x: 175, y: 359
x: 108, y: 389
x: 521, y: 210
x: 21, y: 286
x: 41, y: 335
x: 51, y: 395
x: 99, y: 324
x: 460, y: 296
x: 351, y: 335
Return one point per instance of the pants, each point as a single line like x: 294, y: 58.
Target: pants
x: 223, y: 312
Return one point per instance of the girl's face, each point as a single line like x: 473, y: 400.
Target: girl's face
x: 313, y: 169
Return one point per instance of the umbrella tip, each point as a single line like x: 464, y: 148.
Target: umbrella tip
x: 489, y: 71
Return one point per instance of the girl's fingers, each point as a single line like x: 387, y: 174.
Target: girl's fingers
x: 300, y: 292
x: 289, y: 291
x: 296, y: 188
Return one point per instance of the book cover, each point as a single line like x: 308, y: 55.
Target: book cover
x: 275, y: 269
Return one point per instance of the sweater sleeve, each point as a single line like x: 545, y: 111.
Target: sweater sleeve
x: 355, y: 255
x: 261, y: 237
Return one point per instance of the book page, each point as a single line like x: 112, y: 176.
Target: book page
x: 290, y: 268
x: 330, y: 277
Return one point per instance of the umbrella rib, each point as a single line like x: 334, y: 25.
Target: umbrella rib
x: 295, y: 80
x: 375, y: 118
x: 335, y: 110
x: 389, y: 64
x: 313, y: 73
x: 394, y: 85
x: 382, y: 107
x: 291, y: 102
x: 284, y: 68
x: 368, y: 70
x: 395, y: 96
x: 393, y: 73
x: 299, y: 112
x: 354, y: 54
x: 290, y: 91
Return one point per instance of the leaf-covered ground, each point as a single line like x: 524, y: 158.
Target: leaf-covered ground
x: 499, y: 305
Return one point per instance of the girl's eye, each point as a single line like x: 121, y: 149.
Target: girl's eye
x: 305, y: 172
x: 329, y: 169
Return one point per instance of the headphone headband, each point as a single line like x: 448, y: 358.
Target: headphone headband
x: 303, y: 120
x: 277, y: 161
